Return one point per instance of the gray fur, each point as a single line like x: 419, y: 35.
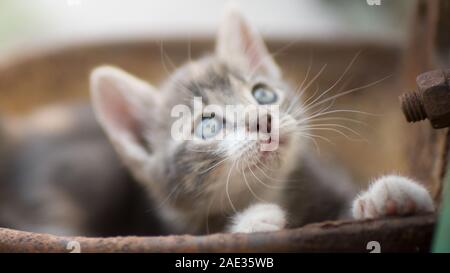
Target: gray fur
x: 177, y: 178
x: 69, y: 181
x: 197, y: 194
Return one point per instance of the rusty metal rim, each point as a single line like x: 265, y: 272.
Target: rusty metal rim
x: 409, y: 234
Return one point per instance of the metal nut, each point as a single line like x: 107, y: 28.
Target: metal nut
x: 431, y: 100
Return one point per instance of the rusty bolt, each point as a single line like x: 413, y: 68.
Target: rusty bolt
x: 431, y: 100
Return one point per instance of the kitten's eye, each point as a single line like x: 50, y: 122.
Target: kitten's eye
x: 263, y: 94
x: 208, y: 127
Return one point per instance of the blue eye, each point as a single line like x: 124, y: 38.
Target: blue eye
x: 208, y: 127
x: 263, y: 94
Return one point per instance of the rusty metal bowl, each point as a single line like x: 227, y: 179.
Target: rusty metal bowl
x: 34, y: 78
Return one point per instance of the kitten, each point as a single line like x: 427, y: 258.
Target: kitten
x: 205, y: 185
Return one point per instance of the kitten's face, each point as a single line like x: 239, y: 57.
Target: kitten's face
x: 223, y: 168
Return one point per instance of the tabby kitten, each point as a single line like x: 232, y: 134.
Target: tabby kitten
x: 205, y: 184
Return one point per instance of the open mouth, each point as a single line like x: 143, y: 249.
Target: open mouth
x: 271, y: 140
x: 268, y: 155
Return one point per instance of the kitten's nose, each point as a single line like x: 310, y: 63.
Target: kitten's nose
x: 263, y: 119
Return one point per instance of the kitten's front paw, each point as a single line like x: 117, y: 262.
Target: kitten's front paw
x: 259, y: 218
x: 392, y: 195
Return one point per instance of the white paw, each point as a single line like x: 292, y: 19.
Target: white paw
x: 392, y: 195
x: 259, y: 218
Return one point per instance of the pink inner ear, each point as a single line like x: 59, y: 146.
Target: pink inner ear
x: 117, y: 112
x: 252, y: 51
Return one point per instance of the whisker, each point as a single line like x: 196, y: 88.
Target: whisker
x: 311, y: 97
x: 316, y: 136
x: 260, y: 181
x: 336, y: 82
x: 300, y: 87
x: 334, y: 112
x: 165, y: 199
x: 320, y: 125
x: 313, y: 140
x: 306, y: 77
x: 320, y: 110
x: 351, y: 91
x: 341, y: 118
x: 227, y: 187
x: 315, y: 77
x: 248, y: 184
x: 338, y: 132
x: 264, y: 173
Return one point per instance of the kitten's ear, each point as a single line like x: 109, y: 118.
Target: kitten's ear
x: 125, y: 107
x: 239, y: 45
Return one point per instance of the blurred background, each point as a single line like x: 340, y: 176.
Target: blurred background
x: 48, y: 48
x: 45, y: 22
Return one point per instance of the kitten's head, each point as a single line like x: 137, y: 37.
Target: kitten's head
x: 229, y: 170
